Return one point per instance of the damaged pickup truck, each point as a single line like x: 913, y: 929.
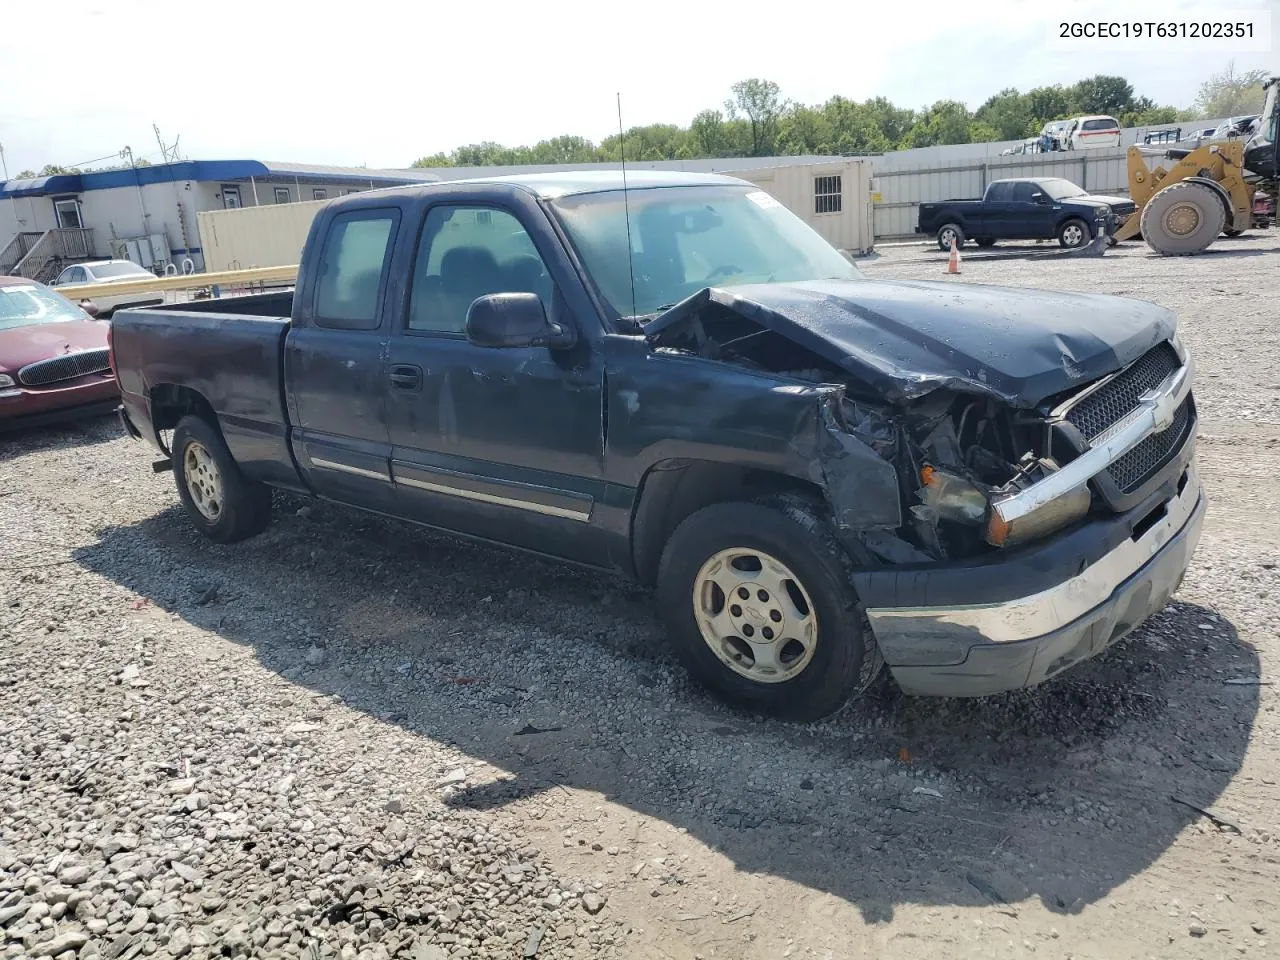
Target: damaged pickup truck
x: 819, y: 473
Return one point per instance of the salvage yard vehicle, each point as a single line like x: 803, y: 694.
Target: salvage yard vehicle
x: 109, y: 271
x: 679, y: 380
x: 53, y: 358
x: 1024, y: 210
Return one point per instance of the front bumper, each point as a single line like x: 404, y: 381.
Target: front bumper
x: 91, y: 396
x: 1112, y: 575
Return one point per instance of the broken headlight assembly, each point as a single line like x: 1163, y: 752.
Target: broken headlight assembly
x: 956, y: 498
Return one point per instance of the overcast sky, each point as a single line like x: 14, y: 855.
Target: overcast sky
x: 381, y: 83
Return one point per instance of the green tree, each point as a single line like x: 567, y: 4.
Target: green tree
x: 760, y: 101
x: 1103, y: 94
x: 1230, y: 94
x: 27, y: 174
x: 856, y: 128
x: 1008, y: 114
x: 657, y: 141
x: 892, y: 122
x: 433, y: 160
x: 803, y: 130
x: 1045, y: 104
x: 947, y: 121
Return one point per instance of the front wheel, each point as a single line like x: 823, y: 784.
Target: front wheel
x: 222, y: 502
x: 947, y: 233
x: 1074, y: 234
x: 758, y: 604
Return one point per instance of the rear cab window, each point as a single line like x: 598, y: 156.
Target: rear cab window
x: 352, y: 275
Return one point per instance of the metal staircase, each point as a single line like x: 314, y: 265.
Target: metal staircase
x: 41, y: 256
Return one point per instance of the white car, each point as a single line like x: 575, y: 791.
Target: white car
x: 110, y: 271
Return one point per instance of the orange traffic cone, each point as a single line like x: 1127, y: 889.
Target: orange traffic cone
x: 953, y: 262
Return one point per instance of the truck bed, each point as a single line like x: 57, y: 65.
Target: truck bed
x: 229, y: 351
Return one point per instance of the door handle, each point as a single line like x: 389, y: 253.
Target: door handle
x: 406, y: 376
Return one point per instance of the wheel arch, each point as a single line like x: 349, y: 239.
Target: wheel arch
x: 672, y: 490
x: 170, y: 402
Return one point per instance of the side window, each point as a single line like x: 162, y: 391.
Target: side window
x: 470, y: 252
x: 353, y: 266
x: 999, y: 192
x: 1022, y: 191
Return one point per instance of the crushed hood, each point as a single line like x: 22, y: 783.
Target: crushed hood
x: 908, y: 338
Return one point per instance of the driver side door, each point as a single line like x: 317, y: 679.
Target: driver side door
x: 500, y: 443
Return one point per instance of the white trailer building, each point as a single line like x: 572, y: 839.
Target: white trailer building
x: 148, y: 214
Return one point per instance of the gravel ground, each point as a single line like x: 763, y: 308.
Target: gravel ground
x: 345, y: 739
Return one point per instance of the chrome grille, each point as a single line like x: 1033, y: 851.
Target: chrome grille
x: 69, y: 366
x: 1138, y: 465
x: 1100, y: 409
x: 1123, y: 209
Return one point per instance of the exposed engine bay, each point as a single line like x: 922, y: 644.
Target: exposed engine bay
x: 954, y: 452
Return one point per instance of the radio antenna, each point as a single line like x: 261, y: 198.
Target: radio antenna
x: 626, y: 207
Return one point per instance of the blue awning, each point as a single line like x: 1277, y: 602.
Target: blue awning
x: 207, y: 171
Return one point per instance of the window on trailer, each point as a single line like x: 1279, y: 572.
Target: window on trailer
x: 826, y: 194
x: 319, y: 193
x: 230, y: 197
x: 282, y: 194
x: 68, y: 211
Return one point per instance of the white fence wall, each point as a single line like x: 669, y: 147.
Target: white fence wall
x: 901, y: 191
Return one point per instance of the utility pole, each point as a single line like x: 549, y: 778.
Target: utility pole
x: 170, y: 155
x: 3, y: 164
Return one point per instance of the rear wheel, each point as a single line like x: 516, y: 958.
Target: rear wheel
x: 758, y: 604
x: 222, y: 502
x: 1183, y: 218
x: 1073, y: 234
x: 947, y: 233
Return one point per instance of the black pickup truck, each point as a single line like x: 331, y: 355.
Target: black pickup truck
x: 1025, y: 210
x: 684, y: 383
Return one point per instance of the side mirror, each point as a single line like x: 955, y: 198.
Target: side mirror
x: 1039, y: 197
x: 514, y: 320
x: 91, y: 308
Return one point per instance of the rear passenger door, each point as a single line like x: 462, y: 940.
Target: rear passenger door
x: 334, y: 361
x: 999, y: 219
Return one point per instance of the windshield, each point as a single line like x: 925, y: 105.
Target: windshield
x: 1061, y: 189
x: 686, y: 238
x: 22, y: 306
x: 117, y: 268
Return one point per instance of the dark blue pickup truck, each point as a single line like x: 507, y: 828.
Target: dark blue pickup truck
x: 1044, y: 209
x: 682, y: 382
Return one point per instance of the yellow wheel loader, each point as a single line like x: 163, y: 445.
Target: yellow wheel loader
x: 1206, y: 192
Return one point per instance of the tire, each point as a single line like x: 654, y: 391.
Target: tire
x: 1182, y: 219
x: 1074, y: 233
x: 945, y: 233
x: 825, y: 668
x: 986, y: 242
x: 222, y: 502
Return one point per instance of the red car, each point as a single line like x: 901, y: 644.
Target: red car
x: 53, y: 358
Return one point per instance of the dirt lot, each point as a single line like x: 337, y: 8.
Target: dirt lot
x: 344, y: 738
